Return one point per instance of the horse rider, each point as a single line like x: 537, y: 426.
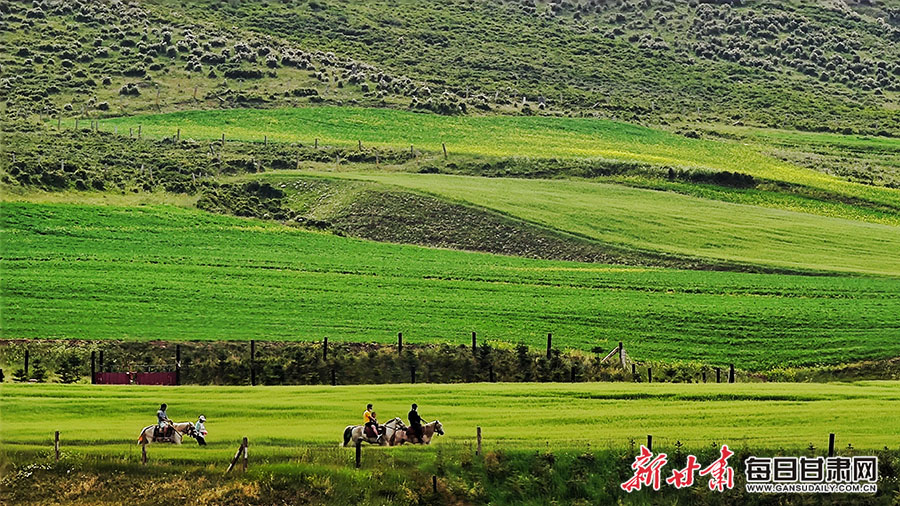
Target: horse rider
x: 162, y: 420
x: 415, y: 423
x: 200, y: 430
x: 370, y: 420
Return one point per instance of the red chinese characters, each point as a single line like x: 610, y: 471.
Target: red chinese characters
x: 647, y: 471
x: 721, y: 474
x: 684, y: 477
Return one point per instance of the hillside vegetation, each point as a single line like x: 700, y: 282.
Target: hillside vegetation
x: 798, y: 64
x: 503, y: 137
x: 105, y: 272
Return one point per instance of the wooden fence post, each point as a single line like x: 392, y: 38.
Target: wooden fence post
x: 58, y: 122
x: 359, y: 145
x: 491, y: 372
x: 26, y: 363
x: 358, y: 452
x: 474, y: 347
x: 412, y: 374
x: 56, y: 445
x: 400, y: 343
x: 252, y: 362
x: 718, y: 374
x: 549, y: 344
x: 317, y: 143
x: 704, y: 376
x: 237, y: 455
x: 177, y: 364
x: 731, y: 373
x: 445, y: 150
x: 649, y: 375
x: 246, y: 462
x: 621, y: 354
x: 650, y: 442
x: 434, y: 483
x: 139, y: 131
x: 266, y: 140
x: 144, y: 454
x: 93, y: 366
x: 478, y: 443
x: 178, y: 135
x: 76, y: 123
x: 223, y: 138
x: 325, y: 349
x: 633, y: 370
x: 831, y: 444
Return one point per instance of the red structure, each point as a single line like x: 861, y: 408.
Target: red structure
x: 155, y: 378
x: 112, y: 378
x: 137, y: 378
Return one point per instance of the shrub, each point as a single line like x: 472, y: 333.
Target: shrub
x: 69, y: 370
x: 129, y: 89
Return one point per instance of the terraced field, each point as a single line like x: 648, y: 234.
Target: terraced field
x: 679, y: 224
x: 494, y: 136
x: 157, y: 272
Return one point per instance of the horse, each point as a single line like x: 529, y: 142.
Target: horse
x: 181, y: 430
x: 428, y: 432
x: 357, y: 433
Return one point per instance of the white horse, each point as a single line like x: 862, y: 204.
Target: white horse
x: 181, y: 430
x: 389, y: 433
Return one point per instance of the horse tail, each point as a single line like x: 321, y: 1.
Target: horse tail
x: 143, y: 439
x: 348, y: 432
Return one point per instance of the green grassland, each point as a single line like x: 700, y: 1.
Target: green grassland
x: 101, y: 272
x: 663, y: 221
x: 492, y: 136
x: 865, y: 159
x: 564, y: 443
x: 281, y: 420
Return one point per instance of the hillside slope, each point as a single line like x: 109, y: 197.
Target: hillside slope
x: 798, y: 64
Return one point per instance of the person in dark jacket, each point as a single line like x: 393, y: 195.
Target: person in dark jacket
x: 415, y: 423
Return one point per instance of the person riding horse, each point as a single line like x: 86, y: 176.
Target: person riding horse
x: 369, y: 420
x: 415, y: 423
x: 163, y: 423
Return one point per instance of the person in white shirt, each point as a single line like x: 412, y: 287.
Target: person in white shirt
x: 200, y: 430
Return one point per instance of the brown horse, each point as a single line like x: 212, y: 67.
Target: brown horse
x: 428, y: 431
x: 181, y: 430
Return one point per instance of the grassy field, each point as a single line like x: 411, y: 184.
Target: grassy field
x: 103, y: 272
x: 680, y: 224
x: 541, y: 443
x: 281, y: 420
x: 862, y: 158
x: 495, y: 136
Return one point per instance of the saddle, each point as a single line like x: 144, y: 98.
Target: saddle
x: 370, y: 431
x: 166, y: 434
